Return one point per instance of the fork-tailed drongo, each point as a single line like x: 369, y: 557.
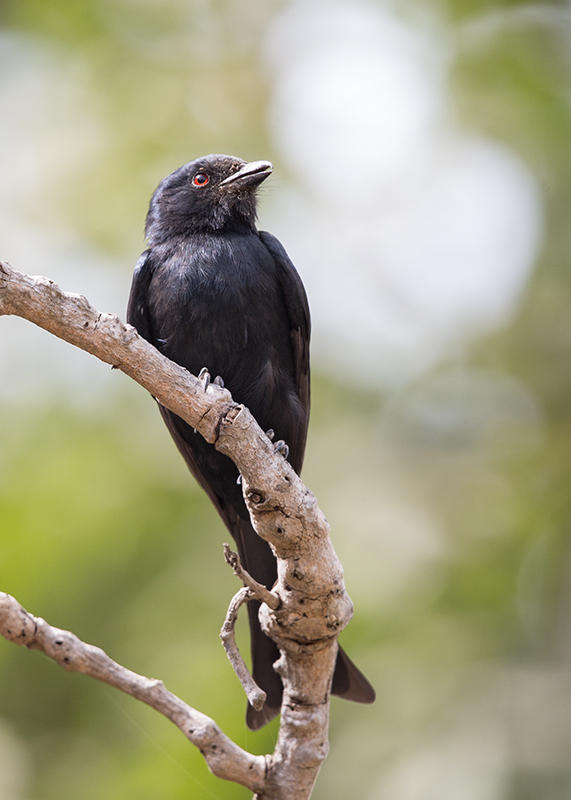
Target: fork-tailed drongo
x: 212, y: 290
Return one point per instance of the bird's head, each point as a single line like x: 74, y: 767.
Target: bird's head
x: 212, y: 193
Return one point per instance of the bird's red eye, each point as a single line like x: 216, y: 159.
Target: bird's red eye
x: 200, y: 179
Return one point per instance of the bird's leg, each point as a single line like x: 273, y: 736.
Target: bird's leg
x: 204, y: 377
x: 282, y: 447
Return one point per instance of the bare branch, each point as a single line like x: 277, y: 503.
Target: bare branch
x: 224, y: 758
x: 256, y: 696
x: 257, y: 590
x: 308, y: 606
x: 71, y: 317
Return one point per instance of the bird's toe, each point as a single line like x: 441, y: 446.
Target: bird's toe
x: 282, y: 448
x: 204, y: 377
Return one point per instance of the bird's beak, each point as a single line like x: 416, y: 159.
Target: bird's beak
x: 251, y: 174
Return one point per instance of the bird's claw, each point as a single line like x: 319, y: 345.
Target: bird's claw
x: 204, y: 377
x: 282, y: 448
x: 270, y: 434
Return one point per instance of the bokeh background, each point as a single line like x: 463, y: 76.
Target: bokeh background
x: 422, y: 188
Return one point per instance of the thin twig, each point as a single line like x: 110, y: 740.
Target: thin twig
x: 258, y: 590
x: 256, y: 696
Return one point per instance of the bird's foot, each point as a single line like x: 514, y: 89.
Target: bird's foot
x: 282, y: 448
x: 204, y: 377
x: 270, y: 434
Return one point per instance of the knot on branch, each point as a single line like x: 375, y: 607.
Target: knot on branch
x: 62, y: 648
x: 255, y: 497
x: 16, y: 624
x: 307, y: 620
x: 204, y: 734
x: 232, y: 414
x: 220, y: 407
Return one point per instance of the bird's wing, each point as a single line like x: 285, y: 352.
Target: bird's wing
x: 297, y: 309
x: 185, y: 439
x: 138, y: 305
x: 215, y: 473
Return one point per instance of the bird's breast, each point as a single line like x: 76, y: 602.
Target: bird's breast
x: 216, y: 302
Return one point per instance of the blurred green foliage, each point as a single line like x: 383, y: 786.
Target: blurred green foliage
x: 463, y: 627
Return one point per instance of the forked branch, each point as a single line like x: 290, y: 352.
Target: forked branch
x: 305, y: 611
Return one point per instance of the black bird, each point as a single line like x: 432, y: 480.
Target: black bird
x: 213, y: 290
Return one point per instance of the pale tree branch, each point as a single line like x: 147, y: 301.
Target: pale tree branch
x: 257, y: 590
x: 256, y: 696
x: 224, y: 758
x: 308, y: 606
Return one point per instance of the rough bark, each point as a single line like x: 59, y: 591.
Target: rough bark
x: 223, y: 757
x: 307, y: 608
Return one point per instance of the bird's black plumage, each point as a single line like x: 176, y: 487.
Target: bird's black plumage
x: 213, y: 291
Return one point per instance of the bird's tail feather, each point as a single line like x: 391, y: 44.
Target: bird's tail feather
x: 348, y: 681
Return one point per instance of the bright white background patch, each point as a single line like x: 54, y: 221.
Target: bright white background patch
x: 413, y: 236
